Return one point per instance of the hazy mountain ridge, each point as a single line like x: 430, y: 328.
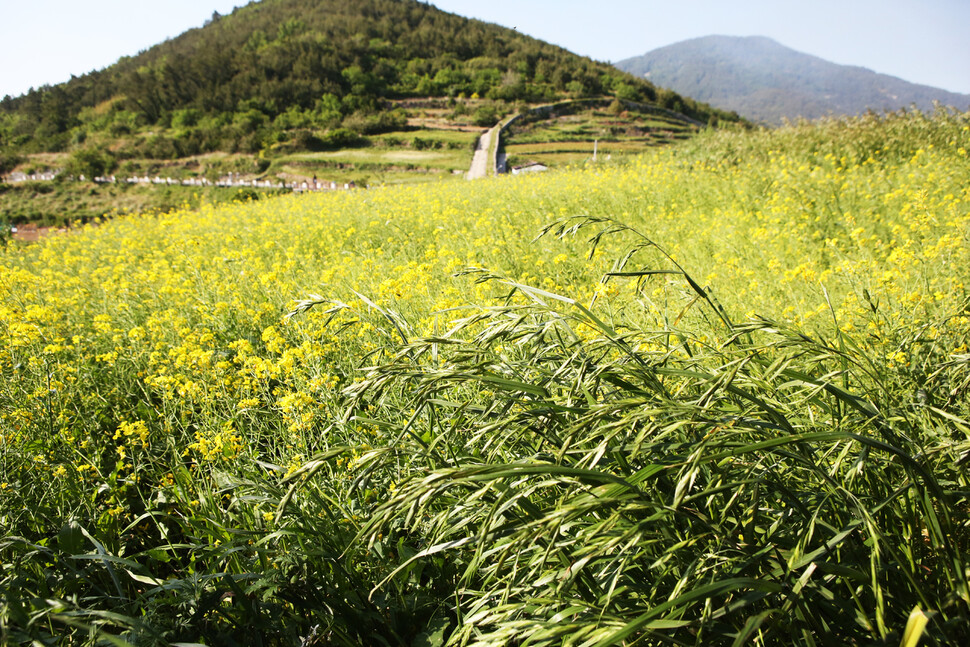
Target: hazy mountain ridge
x: 765, y: 81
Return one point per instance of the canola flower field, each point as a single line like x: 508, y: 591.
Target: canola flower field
x: 713, y: 395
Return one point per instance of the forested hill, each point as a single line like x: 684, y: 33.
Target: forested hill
x: 310, y: 63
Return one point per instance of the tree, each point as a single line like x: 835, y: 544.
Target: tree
x: 91, y: 162
x: 9, y: 161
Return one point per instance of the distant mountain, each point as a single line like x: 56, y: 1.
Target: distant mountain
x: 765, y: 81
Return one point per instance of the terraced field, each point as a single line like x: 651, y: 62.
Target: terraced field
x: 573, y: 137
x: 403, y: 157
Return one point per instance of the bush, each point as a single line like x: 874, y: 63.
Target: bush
x: 158, y: 147
x: 420, y: 144
x: 486, y: 115
x: 9, y: 161
x: 91, y: 162
x: 374, y: 123
x: 341, y: 138
x: 123, y: 123
x: 460, y: 110
x: 186, y: 118
x: 251, y: 143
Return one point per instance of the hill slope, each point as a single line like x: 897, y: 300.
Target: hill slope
x: 765, y: 81
x: 277, y: 66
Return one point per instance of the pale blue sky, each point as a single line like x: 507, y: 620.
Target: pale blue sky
x: 922, y: 41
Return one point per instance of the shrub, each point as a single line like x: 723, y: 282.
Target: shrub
x: 373, y: 123
x: 91, y: 162
x: 9, y: 161
x: 341, y: 138
x: 486, y: 115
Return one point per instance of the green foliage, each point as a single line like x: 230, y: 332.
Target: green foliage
x: 124, y: 122
x: 9, y: 161
x: 159, y: 147
x: 327, y: 111
x: 739, y: 413
x: 186, y: 118
x: 486, y: 115
x: 625, y: 92
x: 91, y: 162
x: 330, y: 140
x: 609, y: 493
x: 372, y: 124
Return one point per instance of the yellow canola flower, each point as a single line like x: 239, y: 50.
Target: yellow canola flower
x: 186, y: 307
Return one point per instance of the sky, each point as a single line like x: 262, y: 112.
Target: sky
x: 921, y: 41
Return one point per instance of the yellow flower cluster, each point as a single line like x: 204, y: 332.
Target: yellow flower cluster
x: 133, y: 431
x: 169, y: 330
x: 224, y: 444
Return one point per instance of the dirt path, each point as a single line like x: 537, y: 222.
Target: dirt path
x: 31, y: 233
x: 479, y: 168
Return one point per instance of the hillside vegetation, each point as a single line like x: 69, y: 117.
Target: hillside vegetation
x: 277, y: 68
x: 767, y: 82
x: 722, y: 400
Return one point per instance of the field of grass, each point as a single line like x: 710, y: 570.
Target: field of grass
x: 722, y: 399
x: 42, y: 203
x: 371, y: 159
x: 569, y: 138
x: 407, y: 157
x: 431, y: 150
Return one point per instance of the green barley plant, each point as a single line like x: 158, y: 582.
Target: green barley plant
x: 602, y: 484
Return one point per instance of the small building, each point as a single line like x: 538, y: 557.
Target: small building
x: 531, y: 167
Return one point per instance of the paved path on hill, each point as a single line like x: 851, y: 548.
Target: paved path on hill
x: 479, y: 168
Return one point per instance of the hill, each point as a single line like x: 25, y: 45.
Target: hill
x: 291, y: 71
x: 765, y: 81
